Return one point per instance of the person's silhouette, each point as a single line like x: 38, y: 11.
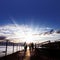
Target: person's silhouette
x: 25, y: 46
x: 32, y: 46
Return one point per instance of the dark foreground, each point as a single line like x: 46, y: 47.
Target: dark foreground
x: 46, y: 54
x: 36, y: 54
x: 15, y: 56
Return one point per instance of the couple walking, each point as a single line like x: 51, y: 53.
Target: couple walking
x: 31, y: 46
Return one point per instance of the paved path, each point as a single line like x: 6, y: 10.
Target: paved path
x: 20, y: 55
x: 27, y: 55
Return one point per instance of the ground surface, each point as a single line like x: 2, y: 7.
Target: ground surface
x: 37, y: 54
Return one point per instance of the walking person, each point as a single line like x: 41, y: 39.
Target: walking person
x: 32, y: 46
x: 25, y: 47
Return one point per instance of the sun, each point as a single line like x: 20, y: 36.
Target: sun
x: 27, y: 36
x: 23, y: 33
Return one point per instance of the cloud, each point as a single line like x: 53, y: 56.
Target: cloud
x: 58, y: 31
x: 2, y: 37
x: 49, y: 32
x: 25, y: 32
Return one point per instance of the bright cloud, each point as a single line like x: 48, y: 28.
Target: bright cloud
x: 27, y: 33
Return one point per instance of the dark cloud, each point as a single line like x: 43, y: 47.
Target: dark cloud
x: 49, y: 32
x: 2, y: 37
x: 58, y: 31
x: 46, y: 33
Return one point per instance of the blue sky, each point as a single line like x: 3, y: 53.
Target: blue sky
x: 32, y: 19
x: 37, y: 12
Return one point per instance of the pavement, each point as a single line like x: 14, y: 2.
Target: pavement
x: 36, y: 54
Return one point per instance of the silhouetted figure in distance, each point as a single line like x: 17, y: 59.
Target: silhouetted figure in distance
x: 32, y: 46
x: 25, y: 46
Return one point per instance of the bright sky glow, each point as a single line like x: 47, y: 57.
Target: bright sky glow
x: 25, y: 33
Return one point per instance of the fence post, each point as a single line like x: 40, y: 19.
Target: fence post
x: 19, y: 47
x: 13, y: 47
x: 6, y: 47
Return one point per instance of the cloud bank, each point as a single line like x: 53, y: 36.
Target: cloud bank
x: 29, y: 33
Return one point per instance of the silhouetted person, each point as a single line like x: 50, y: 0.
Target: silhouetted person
x: 35, y: 45
x: 25, y: 46
x: 32, y: 46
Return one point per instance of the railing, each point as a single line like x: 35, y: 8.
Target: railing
x: 40, y: 44
x: 14, y: 47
